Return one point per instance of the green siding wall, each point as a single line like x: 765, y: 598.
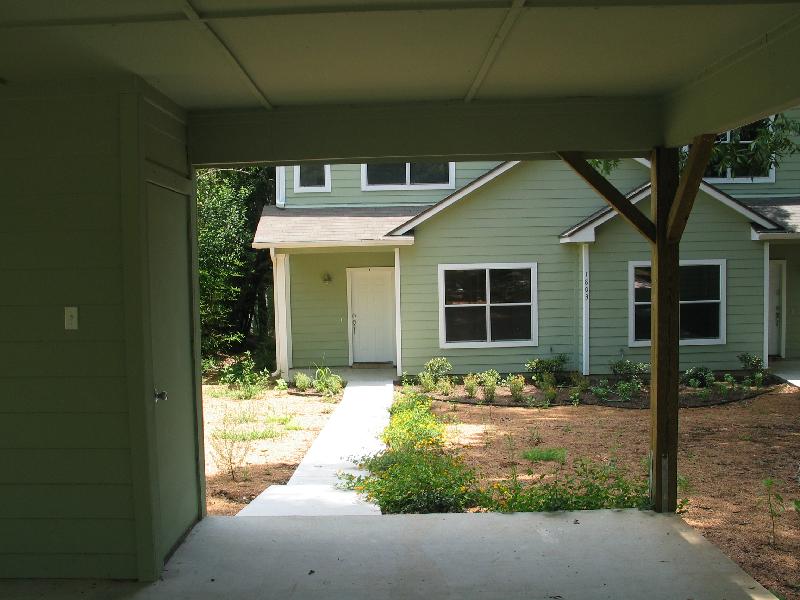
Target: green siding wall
x: 346, y: 188
x: 66, y: 507
x: 791, y: 254
x: 714, y: 231
x: 515, y: 218
x: 319, y: 310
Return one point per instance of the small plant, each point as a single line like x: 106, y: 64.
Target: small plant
x: 427, y: 382
x: 579, y: 382
x: 684, y: 489
x: 471, y: 384
x: 601, y: 390
x: 774, y: 503
x: 444, y: 386
x: 327, y: 383
x: 698, y: 377
x: 438, y: 367
x: 302, y: 382
x: 751, y: 362
x: 758, y: 379
x: 229, y: 450
x: 541, y: 366
x: 550, y: 395
x: 208, y: 365
x: 516, y: 386
x: 489, y: 381
x: 534, y: 437
x: 703, y: 393
x: 627, y: 370
x: 626, y: 390
x: 281, y: 385
x: 575, y: 397
x: 721, y: 388
x: 558, y: 455
x: 406, y: 380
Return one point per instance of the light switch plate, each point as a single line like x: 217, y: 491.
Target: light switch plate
x: 70, y: 318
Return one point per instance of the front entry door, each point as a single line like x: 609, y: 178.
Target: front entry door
x: 775, y: 331
x: 371, y: 302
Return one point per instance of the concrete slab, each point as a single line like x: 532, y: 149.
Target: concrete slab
x: 788, y: 370
x: 612, y: 555
x: 351, y: 432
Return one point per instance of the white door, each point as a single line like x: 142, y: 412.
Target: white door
x: 775, y: 307
x: 371, y: 302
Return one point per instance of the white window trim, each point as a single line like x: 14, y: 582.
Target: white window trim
x: 312, y: 189
x: 450, y: 185
x: 534, y: 341
x: 769, y: 178
x: 723, y: 309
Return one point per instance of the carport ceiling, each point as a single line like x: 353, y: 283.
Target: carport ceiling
x: 208, y: 55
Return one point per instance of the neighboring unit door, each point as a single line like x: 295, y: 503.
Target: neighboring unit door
x: 775, y: 307
x: 371, y: 301
x: 173, y: 368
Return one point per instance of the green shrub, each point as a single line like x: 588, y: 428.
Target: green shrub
x: 575, y: 397
x: 540, y: 366
x: 444, y: 386
x: 626, y: 390
x: 427, y: 382
x: 601, y: 390
x: 698, y: 377
x: 579, y: 382
x: 489, y: 380
x: 327, y: 383
x: 558, y: 455
x: 302, y: 382
x: 438, y: 367
x: 281, y: 385
x: 516, y: 386
x: 627, y: 370
x: 751, y: 362
x: 412, y: 424
x: 758, y: 379
x: 471, y: 383
x: 244, y: 378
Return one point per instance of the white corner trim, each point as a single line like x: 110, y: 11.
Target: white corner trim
x: 279, y: 301
x: 722, y: 263
x: 585, y: 287
x: 287, y: 269
x: 397, y: 323
x: 450, y: 185
x: 534, y: 304
x: 766, y: 306
x: 453, y: 198
x: 300, y: 189
x: 349, y: 318
x: 280, y: 187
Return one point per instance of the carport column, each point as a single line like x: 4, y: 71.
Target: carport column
x: 665, y: 335
x: 280, y: 295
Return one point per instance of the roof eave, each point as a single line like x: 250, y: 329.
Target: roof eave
x: 406, y: 240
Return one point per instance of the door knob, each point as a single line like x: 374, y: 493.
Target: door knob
x: 160, y: 395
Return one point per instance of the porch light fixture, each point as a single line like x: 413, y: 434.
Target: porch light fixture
x: 326, y: 278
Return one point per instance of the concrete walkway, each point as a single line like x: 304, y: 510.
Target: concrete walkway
x: 589, y: 555
x: 352, y: 431
x: 788, y: 370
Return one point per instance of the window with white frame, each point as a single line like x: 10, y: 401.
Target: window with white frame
x: 744, y: 171
x: 492, y: 304
x: 312, y: 178
x: 702, y: 302
x: 409, y: 175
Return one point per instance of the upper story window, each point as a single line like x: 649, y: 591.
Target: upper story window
x: 740, y: 145
x: 410, y: 175
x: 702, y: 302
x: 491, y: 304
x: 312, y: 178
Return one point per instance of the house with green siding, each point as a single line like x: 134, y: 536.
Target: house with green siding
x: 494, y: 263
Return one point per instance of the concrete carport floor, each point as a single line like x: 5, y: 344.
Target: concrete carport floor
x: 566, y: 555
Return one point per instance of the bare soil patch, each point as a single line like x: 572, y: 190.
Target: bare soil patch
x: 726, y: 451
x: 296, y: 418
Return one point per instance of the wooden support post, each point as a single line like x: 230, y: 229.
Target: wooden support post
x: 665, y: 335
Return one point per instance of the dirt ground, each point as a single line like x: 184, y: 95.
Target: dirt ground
x: 296, y: 420
x: 726, y: 452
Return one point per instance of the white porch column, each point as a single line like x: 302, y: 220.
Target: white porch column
x: 766, y: 304
x: 281, y: 305
x: 585, y: 366
x: 397, y: 327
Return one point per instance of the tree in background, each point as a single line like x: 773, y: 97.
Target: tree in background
x: 235, y: 279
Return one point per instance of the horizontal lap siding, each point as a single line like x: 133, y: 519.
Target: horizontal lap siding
x: 65, y: 475
x: 346, y: 188
x: 319, y: 310
x: 516, y: 218
x: 713, y: 232
x: 791, y: 312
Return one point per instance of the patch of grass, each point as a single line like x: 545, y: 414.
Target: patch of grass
x: 250, y: 435
x: 558, y: 455
x: 279, y: 419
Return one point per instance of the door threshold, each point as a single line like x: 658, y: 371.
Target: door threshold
x: 372, y: 365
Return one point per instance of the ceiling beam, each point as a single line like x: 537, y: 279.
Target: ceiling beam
x: 514, y: 11
x: 751, y: 84
x: 610, y: 127
x: 222, y: 48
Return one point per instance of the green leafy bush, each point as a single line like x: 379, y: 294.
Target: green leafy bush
x: 516, y: 386
x: 698, y: 377
x: 412, y: 424
x: 327, y: 383
x: 427, y: 382
x: 540, y: 366
x: 281, y: 385
x: 302, y: 382
x: 444, y: 386
x: 438, y: 367
x: 489, y: 381
x: 579, y: 382
x: 751, y: 362
x: 244, y: 378
x: 601, y: 390
x: 471, y: 383
x: 627, y: 370
x: 626, y: 390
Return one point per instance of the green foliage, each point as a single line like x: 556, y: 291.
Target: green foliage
x: 516, y: 386
x: 698, y: 377
x: 627, y: 370
x: 538, y: 367
x: 627, y: 390
x: 438, y: 367
x: 774, y: 503
x: 233, y: 276
x: 471, y: 383
x: 751, y: 362
x: 302, y: 382
x: 604, y: 166
x: 244, y: 378
x: 729, y: 379
x: 796, y: 504
x: 406, y: 380
x: 579, y: 382
x: 251, y: 435
x: 558, y: 455
x: 575, y: 397
x: 281, y: 385
x: 327, y: 383
x: 412, y: 424
x: 602, y: 390
x: 593, y: 486
x: 489, y: 380
x: 444, y: 386
x: 427, y: 382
